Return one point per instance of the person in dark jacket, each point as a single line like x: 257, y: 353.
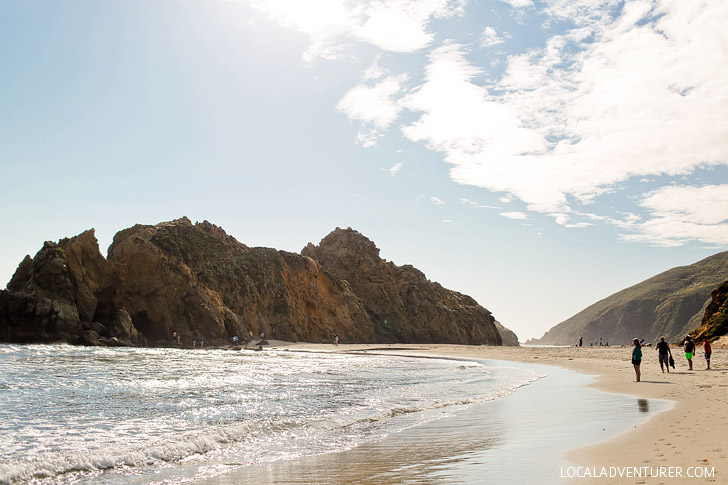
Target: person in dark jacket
x: 663, y: 353
x: 637, y: 358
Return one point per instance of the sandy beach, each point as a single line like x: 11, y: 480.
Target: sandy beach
x: 673, y: 447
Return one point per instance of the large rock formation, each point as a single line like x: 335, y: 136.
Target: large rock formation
x: 715, y: 318
x: 196, y: 280
x: 403, y: 304
x: 666, y: 305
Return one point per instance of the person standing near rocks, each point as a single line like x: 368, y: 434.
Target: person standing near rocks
x: 708, y: 348
x: 689, y: 347
x: 663, y: 353
x: 637, y: 358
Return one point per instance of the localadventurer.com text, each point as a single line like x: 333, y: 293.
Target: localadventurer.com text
x: 637, y: 472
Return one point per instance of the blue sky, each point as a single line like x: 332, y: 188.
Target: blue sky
x: 537, y: 156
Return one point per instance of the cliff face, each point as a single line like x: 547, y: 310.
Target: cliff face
x: 196, y: 280
x: 666, y: 305
x: 403, y: 304
x: 715, y: 319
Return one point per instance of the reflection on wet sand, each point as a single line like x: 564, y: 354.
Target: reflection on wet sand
x: 643, y: 405
x: 413, y: 455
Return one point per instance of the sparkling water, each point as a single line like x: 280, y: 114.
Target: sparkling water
x: 116, y: 415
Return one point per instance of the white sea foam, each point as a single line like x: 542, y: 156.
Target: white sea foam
x: 125, y: 415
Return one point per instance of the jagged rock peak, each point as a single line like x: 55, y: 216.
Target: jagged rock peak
x: 341, y: 241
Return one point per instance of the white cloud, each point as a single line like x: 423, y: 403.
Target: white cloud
x: 375, y: 106
x: 325, y: 22
x: 393, y: 169
x: 635, y: 95
x: 515, y: 215
x: 475, y: 204
x: 620, y: 91
x: 401, y: 25
x: 437, y: 201
x: 518, y: 3
x: 391, y: 25
x: 684, y: 213
x: 490, y: 37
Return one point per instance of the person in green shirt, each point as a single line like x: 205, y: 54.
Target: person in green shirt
x: 637, y: 358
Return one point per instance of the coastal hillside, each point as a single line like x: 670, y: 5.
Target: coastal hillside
x: 401, y: 302
x: 197, y: 281
x: 668, y: 305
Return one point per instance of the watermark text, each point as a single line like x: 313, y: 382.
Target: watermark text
x: 637, y: 472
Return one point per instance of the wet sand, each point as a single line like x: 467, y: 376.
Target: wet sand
x: 535, y: 426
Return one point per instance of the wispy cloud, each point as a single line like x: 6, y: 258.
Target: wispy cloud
x: 437, y: 201
x: 619, y: 92
x: 475, y: 204
x: 375, y: 105
x: 518, y: 3
x: 683, y: 213
x: 515, y: 215
x: 393, y: 169
x: 332, y: 25
x: 568, y: 122
x: 490, y: 37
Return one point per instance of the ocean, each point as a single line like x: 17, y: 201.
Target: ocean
x: 137, y: 415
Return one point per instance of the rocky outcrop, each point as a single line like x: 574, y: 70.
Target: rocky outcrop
x: 715, y: 319
x: 508, y: 337
x: 666, y: 305
x: 196, y: 280
x: 403, y: 304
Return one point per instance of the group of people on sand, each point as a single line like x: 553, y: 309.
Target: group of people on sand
x: 664, y: 354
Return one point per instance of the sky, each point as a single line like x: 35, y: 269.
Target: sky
x: 535, y: 155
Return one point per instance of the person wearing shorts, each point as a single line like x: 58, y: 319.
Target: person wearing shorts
x: 663, y: 353
x: 708, y: 350
x: 689, y: 347
x: 637, y: 358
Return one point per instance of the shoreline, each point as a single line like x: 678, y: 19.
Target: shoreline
x: 674, y: 445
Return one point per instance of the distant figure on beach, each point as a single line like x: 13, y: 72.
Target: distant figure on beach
x: 663, y: 353
x: 262, y: 335
x: 637, y: 358
x: 202, y: 342
x: 708, y: 348
x: 236, y: 340
x: 336, y: 339
x: 580, y: 341
x: 689, y: 347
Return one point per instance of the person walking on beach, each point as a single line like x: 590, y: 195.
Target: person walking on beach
x: 663, y: 353
x: 708, y: 348
x: 689, y: 347
x: 637, y: 358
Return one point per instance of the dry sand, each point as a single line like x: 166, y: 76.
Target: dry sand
x: 691, y: 434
